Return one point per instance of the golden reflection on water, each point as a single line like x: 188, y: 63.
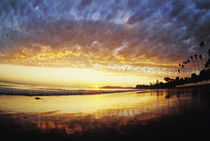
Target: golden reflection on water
x: 80, y: 113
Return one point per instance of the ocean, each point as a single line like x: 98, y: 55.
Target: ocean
x: 75, y: 114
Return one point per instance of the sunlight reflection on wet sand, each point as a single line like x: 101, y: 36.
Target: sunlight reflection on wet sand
x: 80, y: 113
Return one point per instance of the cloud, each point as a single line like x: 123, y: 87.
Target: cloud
x: 102, y: 33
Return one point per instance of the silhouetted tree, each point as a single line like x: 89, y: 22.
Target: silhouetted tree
x: 202, y: 44
x: 190, y: 68
x: 202, y: 62
x: 193, y: 62
x: 169, y: 83
x: 167, y: 79
x: 204, y: 75
x: 194, y: 78
x: 187, y: 68
x: 203, y: 47
x: 209, y: 52
x: 183, y: 71
x: 180, y: 70
x: 206, y: 65
x: 196, y: 60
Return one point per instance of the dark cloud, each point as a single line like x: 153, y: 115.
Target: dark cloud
x: 202, y: 4
x: 83, y: 4
x: 123, y: 32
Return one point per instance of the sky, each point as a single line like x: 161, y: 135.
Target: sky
x: 98, y: 42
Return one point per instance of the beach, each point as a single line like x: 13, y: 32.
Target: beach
x: 111, y: 70
x: 158, y: 114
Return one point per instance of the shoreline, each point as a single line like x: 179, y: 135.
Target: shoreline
x: 198, y: 84
x: 188, y: 120
x: 22, y: 92
x: 188, y: 85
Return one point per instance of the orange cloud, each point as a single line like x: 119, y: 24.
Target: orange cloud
x: 78, y: 57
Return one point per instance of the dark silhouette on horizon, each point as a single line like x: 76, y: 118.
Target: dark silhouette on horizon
x: 193, y: 70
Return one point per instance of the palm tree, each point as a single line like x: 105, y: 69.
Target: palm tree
x: 202, y: 61
x: 196, y: 56
x: 209, y: 52
x: 193, y: 62
x: 202, y: 44
x: 201, y: 58
x: 190, y: 66
x: 183, y: 71
x: 187, y: 68
x: 179, y: 70
x: 204, y: 49
x: 197, y: 63
x: 206, y: 53
x: 208, y: 62
x: 206, y: 65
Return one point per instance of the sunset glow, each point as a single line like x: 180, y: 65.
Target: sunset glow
x: 73, y: 77
x: 104, y: 70
x: 80, y: 43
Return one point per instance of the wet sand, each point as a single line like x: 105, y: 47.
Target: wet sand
x: 173, y: 114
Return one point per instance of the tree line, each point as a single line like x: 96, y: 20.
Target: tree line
x: 192, y: 70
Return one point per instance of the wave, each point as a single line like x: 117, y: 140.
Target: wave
x: 56, y: 92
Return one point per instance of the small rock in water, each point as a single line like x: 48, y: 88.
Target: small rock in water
x: 168, y: 96
x: 37, y: 98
